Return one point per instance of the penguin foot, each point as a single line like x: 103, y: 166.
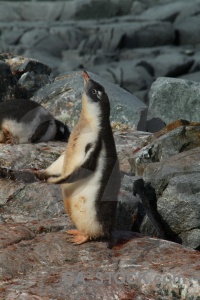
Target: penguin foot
x: 78, y: 238
x: 73, y: 232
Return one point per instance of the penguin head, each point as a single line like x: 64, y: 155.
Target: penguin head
x: 96, y: 94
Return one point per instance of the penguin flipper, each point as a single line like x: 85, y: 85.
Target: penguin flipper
x: 54, y: 170
x: 77, y: 174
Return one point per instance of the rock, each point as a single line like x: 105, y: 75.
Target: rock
x: 171, y: 143
x: 176, y: 183
x: 11, y: 37
x: 24, y: 192
x: 171, y: 11
x: 171, y: 99
x: 21, y: 76
x: 31, y: 11
x: 21, y: 65
x: 63, y: 99
x: 70, y: 35
x: 8, y: 87
x: 41, y: 40
x: 123, y: 75
x: 171, y: 65
x: 14, y: 234
x: 31, y: 82
x: 188, y: 30
x: 48, y: 266
x: 45, y: 58
x: 8, y: 13
x: 195, y: 76
x: 137, y: 7
x: 54, y: 11
x: 128, y: 142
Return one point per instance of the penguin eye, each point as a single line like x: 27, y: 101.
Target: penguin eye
x: 94, y: 91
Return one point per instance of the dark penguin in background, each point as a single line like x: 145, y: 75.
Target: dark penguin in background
x: 89, y: 170
x: 25, y: 121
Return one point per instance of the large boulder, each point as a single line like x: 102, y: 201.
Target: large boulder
x: 176, y: 183
x: 169, y: 165
x: 63, y: 99
x: 171, y: 99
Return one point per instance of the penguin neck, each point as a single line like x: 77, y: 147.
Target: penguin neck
x: 90, y: 113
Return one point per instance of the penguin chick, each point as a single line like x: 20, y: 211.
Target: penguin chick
x: 25, y: 121
x: 90, y: 177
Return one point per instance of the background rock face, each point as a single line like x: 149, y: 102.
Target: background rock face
x: 128, y: 42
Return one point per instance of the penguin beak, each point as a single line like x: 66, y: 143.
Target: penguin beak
x: 86, y: 76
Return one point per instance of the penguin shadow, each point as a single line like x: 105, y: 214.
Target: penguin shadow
x: 119, y: 238
x: 148, y: 206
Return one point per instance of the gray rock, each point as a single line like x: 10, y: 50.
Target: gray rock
x: 33, y: 36
x: 179, y: 204
x: 138, y: 7
x: 188, y: 30
x: 31, y: 82
x: 45, y: 58
x: 58, y: 10
x: 176, y: 183
x: 7, y: 82
x: 21, y: 65
x: 70, y: 35
x: 41, y: 40
x: 176, y: 141
x: 191, y: 76
x: 171, y: 64
x: 171, y: 99
x: 180, y: 164
x: 32, y: 11
x: 128, y: 75
x: 63, y: 99
x: 11, y: 37
x: 8, y: 12
x: 171, y: 11
x: 191, y: 238
x: 98, y: 9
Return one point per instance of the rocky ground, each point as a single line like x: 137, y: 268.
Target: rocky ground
x: 157, y: 236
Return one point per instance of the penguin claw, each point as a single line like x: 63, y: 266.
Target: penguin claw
x: 73, y: 232
x: 78, y: 238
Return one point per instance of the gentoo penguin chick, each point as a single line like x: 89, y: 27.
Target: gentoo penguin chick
x: 25, y: 121
x: 90, y: 177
